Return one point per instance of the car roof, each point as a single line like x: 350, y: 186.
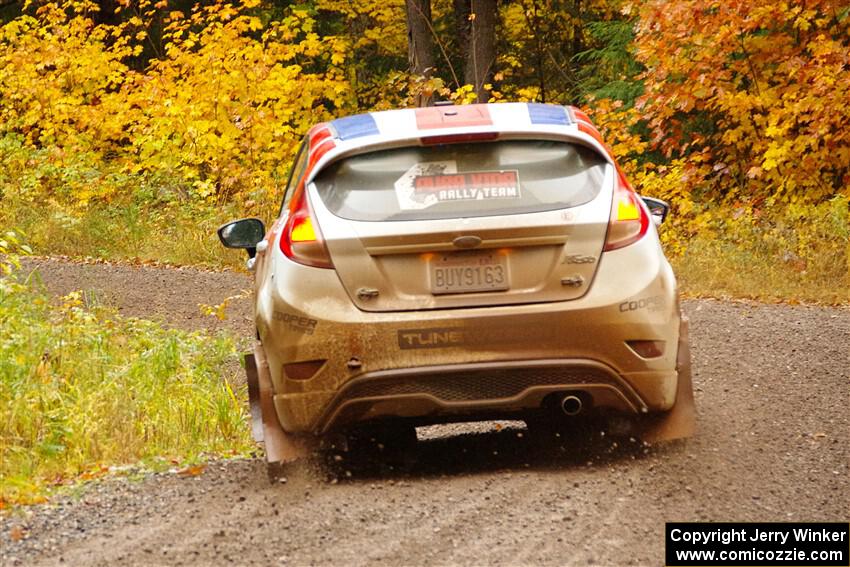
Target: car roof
x: 329, y: 141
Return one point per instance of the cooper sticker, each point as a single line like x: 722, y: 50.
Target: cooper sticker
x: 296, y: 323
x: 429, y: 183
x: 654, y: 303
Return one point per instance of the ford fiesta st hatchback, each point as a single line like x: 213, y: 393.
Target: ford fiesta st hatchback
x: 457, y: 263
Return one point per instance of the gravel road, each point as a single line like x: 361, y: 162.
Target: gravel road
x: 772, y: 388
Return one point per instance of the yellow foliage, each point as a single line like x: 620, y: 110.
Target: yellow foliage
x: 226, y: 109
x: 221, y: 111
x: 617, y: 126
x: 219, y: 311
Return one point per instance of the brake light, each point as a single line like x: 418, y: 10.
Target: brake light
x: 301, y: 240
x: 629, y: 219
x: 459, y: 138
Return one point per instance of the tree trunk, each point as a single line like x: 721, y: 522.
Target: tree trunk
x: 462, y: 27
x: 540, y: 50
x: 420, y: 42
x: 481, y: 45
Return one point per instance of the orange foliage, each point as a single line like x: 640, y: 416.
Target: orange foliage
x: 758, y: 88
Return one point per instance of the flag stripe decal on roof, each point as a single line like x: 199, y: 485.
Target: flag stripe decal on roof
x: 461, y: 116
x: 355, y: 126
x: 548, y: 114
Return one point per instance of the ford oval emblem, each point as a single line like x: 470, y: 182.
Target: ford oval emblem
x: 466, y: 242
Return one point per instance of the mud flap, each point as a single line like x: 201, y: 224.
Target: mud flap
x: 680, y: 421
x: 254, y: 397
x: 281, y: 447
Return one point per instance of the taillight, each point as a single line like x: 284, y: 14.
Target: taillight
x: 459, y: 138
x: 301, y: 240
x: 629, y: 219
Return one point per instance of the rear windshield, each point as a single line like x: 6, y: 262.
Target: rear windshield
x: 461, y: 180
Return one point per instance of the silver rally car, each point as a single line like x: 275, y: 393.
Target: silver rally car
x: 457, y: 263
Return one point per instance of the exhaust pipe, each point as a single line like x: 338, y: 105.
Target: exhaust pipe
x: 571, y: 405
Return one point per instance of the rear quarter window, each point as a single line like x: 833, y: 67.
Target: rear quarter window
x: 461, y: 180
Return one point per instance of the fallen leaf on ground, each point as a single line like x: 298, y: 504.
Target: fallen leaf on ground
x: 17, y: 533
x: 194, y: 470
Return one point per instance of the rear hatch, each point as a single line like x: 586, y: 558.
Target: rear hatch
x: 462, y: 225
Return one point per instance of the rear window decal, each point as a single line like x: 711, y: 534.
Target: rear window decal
x: 429, y: 183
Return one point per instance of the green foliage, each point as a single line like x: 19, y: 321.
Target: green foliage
x: 608, y: 69
x: 82, y: 389
x: 172, y: 234
x: 564, y: 52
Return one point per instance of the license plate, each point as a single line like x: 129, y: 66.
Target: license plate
x: 469, y: 272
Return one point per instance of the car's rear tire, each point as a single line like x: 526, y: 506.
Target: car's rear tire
x: 548, y: 428
x: 548, y: 431
x: 381, y: 437
x: 389, y: 446
x: 277, y: 472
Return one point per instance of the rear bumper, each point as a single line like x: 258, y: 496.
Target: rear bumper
x: 460, y: 362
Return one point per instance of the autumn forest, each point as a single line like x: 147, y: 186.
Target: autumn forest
x: 169, y: 117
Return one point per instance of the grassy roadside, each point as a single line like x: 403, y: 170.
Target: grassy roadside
x: 725, y: 270
x: 83, y: 390
x: 798, y: 255
x: 166, y: 234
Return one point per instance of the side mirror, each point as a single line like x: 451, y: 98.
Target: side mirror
x: 242, y: 233
x: 658, y: 209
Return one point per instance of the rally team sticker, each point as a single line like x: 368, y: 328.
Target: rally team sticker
x: 426, y: 184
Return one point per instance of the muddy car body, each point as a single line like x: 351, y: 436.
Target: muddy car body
x: 457, y: 263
